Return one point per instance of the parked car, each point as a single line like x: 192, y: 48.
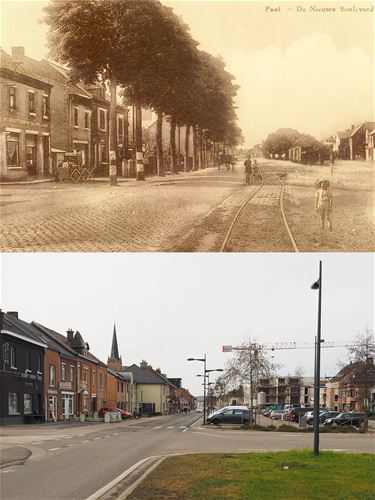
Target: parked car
x: 199, y: 410
x: 230, y: 416
x: 323, y: 416
x: 278, y: 414
x: 229, y: 407
x: 296, y: 413
x: 343, y: 419
x: 124, y: 414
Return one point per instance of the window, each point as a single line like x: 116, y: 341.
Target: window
x: 71, y: 373
x: 87, y: 119
x: 13, y: 150
x: 51, y: 375
x: 12, y: 98
x: 27, y: 404
x: 93, y: 377
x: 120, y: 127
x: 13, y: 408
x: 102, y: 154
x: 85, y: 377
x: 12, y: 357
x: 100, y: 380
x: 31, y: 98
x: 75, y: 117
x: 63, y: 371
x: 31, y: 150
x: 39, y: 363
x: 102, y: 120
x: 28, y: 360
x: 45, y: 106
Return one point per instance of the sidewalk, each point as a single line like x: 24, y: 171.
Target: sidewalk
x: 120, y: 180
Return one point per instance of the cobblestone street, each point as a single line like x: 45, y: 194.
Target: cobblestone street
x: 144, y: 216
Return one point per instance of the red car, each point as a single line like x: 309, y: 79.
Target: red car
x: 124, y: 414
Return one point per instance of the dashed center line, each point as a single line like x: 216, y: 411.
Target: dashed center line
x: 53, y: 449
x: 86, y: 441
x: 170, y: 427
x: 158, y: 427
x: 38, y: 442
x: 97, y: 439
x: 71, y: 444
x: 107, y: 436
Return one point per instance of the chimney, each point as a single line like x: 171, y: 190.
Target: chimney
x: 18, y: 53
x: 353, y: 127
x: 143, y: 364
x: 69, y: 335
x: 13, y: 313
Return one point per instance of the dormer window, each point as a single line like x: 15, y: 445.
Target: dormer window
x: 31, y: 102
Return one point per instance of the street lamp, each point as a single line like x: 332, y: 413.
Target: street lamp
x: 317, y: 286
x: 204, y: 388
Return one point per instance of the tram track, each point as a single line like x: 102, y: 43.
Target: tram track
x: 253, y: 195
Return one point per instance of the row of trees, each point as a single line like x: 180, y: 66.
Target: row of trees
x: 144, y: 48
x: 278, y: 143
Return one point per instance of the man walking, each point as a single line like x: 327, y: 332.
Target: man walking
x: 248, y: 170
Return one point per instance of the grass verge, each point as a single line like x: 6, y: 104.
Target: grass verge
x: 284, y: 475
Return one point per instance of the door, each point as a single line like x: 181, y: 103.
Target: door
x: 52, y: 408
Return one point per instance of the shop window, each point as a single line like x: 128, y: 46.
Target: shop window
x: 13, y: 150
x: 31, y: 102
x: 87, y: 120
x: 27, y: 404
x: 13, y: 403
x: 45, y: 106
x: 75, y: 117
x: 12, y: 98
x: 13, y: 357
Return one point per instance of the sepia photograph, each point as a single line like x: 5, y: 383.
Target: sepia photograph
x: 187, y: 126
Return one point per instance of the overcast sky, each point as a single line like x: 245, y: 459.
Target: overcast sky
x: 169, y: 307
x: 309, y: 71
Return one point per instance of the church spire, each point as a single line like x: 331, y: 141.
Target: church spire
x: 114, y: 360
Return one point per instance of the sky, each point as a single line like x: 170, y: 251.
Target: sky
x: 312, y: 71
x: 169, y: 307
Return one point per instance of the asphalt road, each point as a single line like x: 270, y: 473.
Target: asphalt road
x: 76, y: 463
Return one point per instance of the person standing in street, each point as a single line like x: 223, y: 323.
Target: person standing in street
x: 324, y: 202
x: 248, y: 170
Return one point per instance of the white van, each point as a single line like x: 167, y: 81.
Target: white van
x: 229, y: 407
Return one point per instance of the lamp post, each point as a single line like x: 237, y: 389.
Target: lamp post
x: 204, y: 386
x: 317, y: 286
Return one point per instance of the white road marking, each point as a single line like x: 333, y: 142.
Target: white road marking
x: 69, y: 437
x: 107, y: 436
x: 115, y: 434
x: 97, y: 439
x: 5, y: 471
x: 183, y: 427
x: 158, y: 427
x: 86, y: 441
x: 38, y: 442
x: 187, y: 428
x: 71, y: 444
x: 53, y: 449
x: 170, y: 427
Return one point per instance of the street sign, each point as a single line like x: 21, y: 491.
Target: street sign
x: 227, y: 348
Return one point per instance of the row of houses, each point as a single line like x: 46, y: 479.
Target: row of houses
x: 356, y: 143
x: 54, y: 376
x: 45, y: 118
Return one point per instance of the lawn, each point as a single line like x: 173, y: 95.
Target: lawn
x: 282, y: 475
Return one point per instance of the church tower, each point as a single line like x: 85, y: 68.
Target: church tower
x: 114, y: 360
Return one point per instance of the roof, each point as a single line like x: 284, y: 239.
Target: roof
x: 114, y: 350
x: 160, y: 376
x: 345, y: 134
x: 61, y: 340
x: 21, y: 329
x: 60, y: 75
x: 19, y: 67
x: 141, y: 376
x: 367, y: 125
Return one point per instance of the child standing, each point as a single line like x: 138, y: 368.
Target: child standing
x: 323, y: 203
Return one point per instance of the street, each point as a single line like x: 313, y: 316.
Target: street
x: 74, y: 462
x: 190, y: 212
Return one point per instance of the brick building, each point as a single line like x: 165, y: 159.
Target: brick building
x: 25, y: 120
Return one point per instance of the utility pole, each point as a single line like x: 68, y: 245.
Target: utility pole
x: 317, y: 286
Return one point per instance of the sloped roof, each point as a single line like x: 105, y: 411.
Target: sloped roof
x: 345, y: 134
x: 19, y: 67
x: 22, y: 329
x: 52, y: 343
x: 57, y: 337
x: 160, y: 376
x: 60, y: 75
x: 368, y: 126
x: 114, y: 349
x: 141, y: 376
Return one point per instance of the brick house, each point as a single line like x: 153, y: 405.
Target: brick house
x: 358, y: 145
x: 22, y: 353
x: 341, y: 145
x: 25, y: 121
x: 61, y: 376
x: 70, y: 109
x: 100, y: 130
x: 353, y: 387
x: 370, y: 144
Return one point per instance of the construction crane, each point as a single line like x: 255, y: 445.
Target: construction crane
x: 286, y: 345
